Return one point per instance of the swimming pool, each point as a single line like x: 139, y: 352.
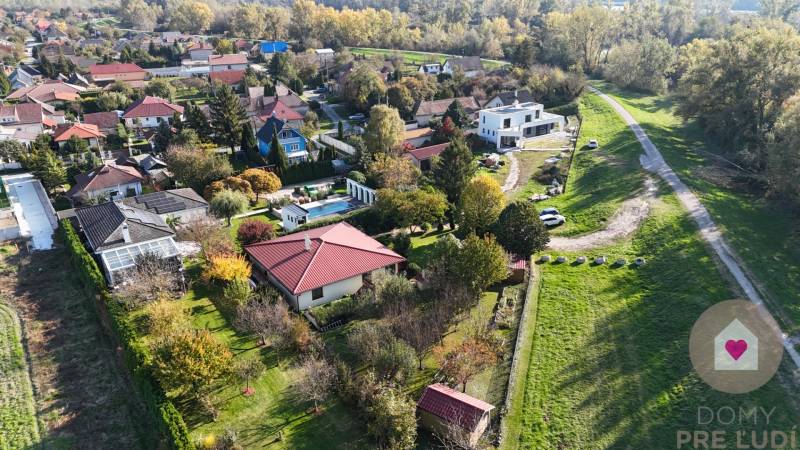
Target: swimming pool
x: 331, y: 207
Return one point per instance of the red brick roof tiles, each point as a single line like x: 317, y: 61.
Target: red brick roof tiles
x: 453, y: 406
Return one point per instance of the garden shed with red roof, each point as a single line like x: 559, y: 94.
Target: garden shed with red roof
x: 320, y: 265
x: 443, y: 410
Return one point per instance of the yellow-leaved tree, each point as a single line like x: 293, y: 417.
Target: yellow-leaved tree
x: 227, y: 268
x: 481, y: 204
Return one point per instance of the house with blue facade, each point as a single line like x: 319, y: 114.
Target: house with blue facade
x: 293, y: 142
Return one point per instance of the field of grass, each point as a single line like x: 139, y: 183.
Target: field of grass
x: 4, y: 202
x: 413, y: 59
x: 600, y: 180
x: 764, y: 233
x: 18, y: 425
x: 609, y: 364
x: 273, y: 417
x: 529, y: 165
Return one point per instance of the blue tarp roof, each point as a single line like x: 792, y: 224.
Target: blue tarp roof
x: 274, y: 47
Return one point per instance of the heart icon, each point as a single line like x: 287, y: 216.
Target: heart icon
x: 736, y: 348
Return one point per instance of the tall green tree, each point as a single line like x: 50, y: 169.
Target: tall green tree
x: 163, y: 136
x: 45, y: 165
x: 520, y: 230
x: 249, y: 145
x: 452, y: 172
x: 384, y: 131
x: 277, y: 155
x: 5, y: 84
x: 196, y: 120
x: 227, y: 116
x: 783, y: 165
x: 228, y: 203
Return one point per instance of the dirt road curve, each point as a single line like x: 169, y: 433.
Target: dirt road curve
x: 624, y: 222
x: 709, y: 231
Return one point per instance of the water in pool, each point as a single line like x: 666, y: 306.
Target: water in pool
x: 331, y: 208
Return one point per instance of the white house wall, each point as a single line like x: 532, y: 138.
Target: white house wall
x: 330, y: 292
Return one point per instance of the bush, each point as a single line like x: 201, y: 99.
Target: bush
x: 357, y: 176
x: 401, y: 243
x: 236, y: 293
x: 227, y: 268
x: 251, y: 231
x: 306, y: 171
x: 161, y: 410
x: 357, y: 306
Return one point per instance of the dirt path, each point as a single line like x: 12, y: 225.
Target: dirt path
x: 624, y: 222
x: 513, y: 173
x: 654, y: 162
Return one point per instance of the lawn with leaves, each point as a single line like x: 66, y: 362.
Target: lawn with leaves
x: 414, y: 59
x: 18, y: 425
x: 763, y: 232
x: 273, y: 417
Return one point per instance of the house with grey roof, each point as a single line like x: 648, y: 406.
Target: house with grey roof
x: 183, y: 204
x: 470, y: 65
x: 508, y: 98
x: 429, y: 109
x: 118, y: 234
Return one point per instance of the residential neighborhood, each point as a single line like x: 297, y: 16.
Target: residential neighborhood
x: 453, y: 225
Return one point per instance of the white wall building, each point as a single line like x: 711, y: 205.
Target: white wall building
x: 510, y: 126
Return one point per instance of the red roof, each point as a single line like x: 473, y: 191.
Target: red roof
x: 280, y: 110
x: 337, y: 252
x: 47, y: 92
x: 220, y: 60
x: 103, y: 120
x: 227, y: 76
x: 423, y: 153
x: 82, y: 130
x: 107, y: 175
x: 201, y: 46
x: 111, y: 69
x: 453, y: 406
x: 151, y: 107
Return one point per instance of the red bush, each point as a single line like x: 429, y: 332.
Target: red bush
x: 252, y: 231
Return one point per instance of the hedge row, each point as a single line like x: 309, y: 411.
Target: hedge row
x: 366, y: 219
x: 162, y: 410
x: 307, y: 171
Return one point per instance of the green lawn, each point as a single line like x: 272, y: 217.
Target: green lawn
x: 599, y: 180
x: 4, y: 202
x: 263, y: 217
x: 421, y: 246
x: 529, y: 165
x: 764, y: 233
x: 18, y: 426
x: 272, y: 411
x: 413, y: 59
x: 609, y: 364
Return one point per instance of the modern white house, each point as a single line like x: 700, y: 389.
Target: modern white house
x: 430, y: 68
x: 318, y: 266
x: 510, y: 126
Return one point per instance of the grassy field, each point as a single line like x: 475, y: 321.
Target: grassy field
x: 599, y: 179
x: 18, y: 425
x: 83, y: 399
x: 529, y: 165
x: 272, y: 417
x: 414, y: 59
x: 609, y: 365
x: 763, y: 233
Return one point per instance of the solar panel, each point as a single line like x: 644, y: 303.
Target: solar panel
x: 169, y: 208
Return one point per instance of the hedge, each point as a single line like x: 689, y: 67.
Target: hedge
x: 307, y: 171
x: 566, y: 109
x: 162, y: 410
x: 366, y: 219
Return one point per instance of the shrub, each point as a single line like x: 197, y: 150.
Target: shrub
x: 357, y: 176
x: 227, y: 268
x: 300, y: 334
x: 236, y: 293
x: 251, y: 231
x: 165, y: 318
x: 402, y: 243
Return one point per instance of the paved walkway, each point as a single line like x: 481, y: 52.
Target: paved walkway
x: 32, y: 214
x: 654, y: 162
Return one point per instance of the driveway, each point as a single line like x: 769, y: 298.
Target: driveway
x: 654, y: 162
x: 33, y: 215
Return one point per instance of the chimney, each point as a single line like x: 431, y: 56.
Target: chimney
x: 308, y: 243
x: 126, y: 234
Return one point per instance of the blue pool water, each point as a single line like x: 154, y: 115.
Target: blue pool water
x: 331, y: 208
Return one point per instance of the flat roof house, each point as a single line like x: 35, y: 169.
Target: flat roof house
x: 118, y: 234
x: 442, y: 409
x: 149, y: 112
x: 320, y: 265
x: 510, y: 126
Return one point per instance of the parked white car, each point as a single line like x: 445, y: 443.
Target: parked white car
x: 593, y: 143
x: 552, y: 220
x: 358, y: 116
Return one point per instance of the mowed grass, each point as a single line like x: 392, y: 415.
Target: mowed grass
x: 601, y: 179
x: 610, y: 365
x: 413, y: 59
x: 273, y: 417
x: 764, y: 233
x: 18, y: 426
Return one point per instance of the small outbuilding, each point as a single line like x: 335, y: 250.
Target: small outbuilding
x: 443, y: 410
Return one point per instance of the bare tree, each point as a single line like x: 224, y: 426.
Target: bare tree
x: 453, y: 436
x: 462, y: 363
x: 152, y: 278
x: 269, y: 321
x: 214, y: 239
x: 419, y: 330
x: 316, y: 380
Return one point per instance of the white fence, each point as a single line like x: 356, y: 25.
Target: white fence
x: 343, y: 147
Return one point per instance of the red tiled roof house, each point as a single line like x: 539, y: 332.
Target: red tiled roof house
x: 89, y: 133
x: 423, y: 157
x: 230, y: 77
x: 149, y: 112
x: 320, y: 265
x: 106, y: 121
x: 108, y: 73
x: 443, y: 410
x: 219, y: 63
